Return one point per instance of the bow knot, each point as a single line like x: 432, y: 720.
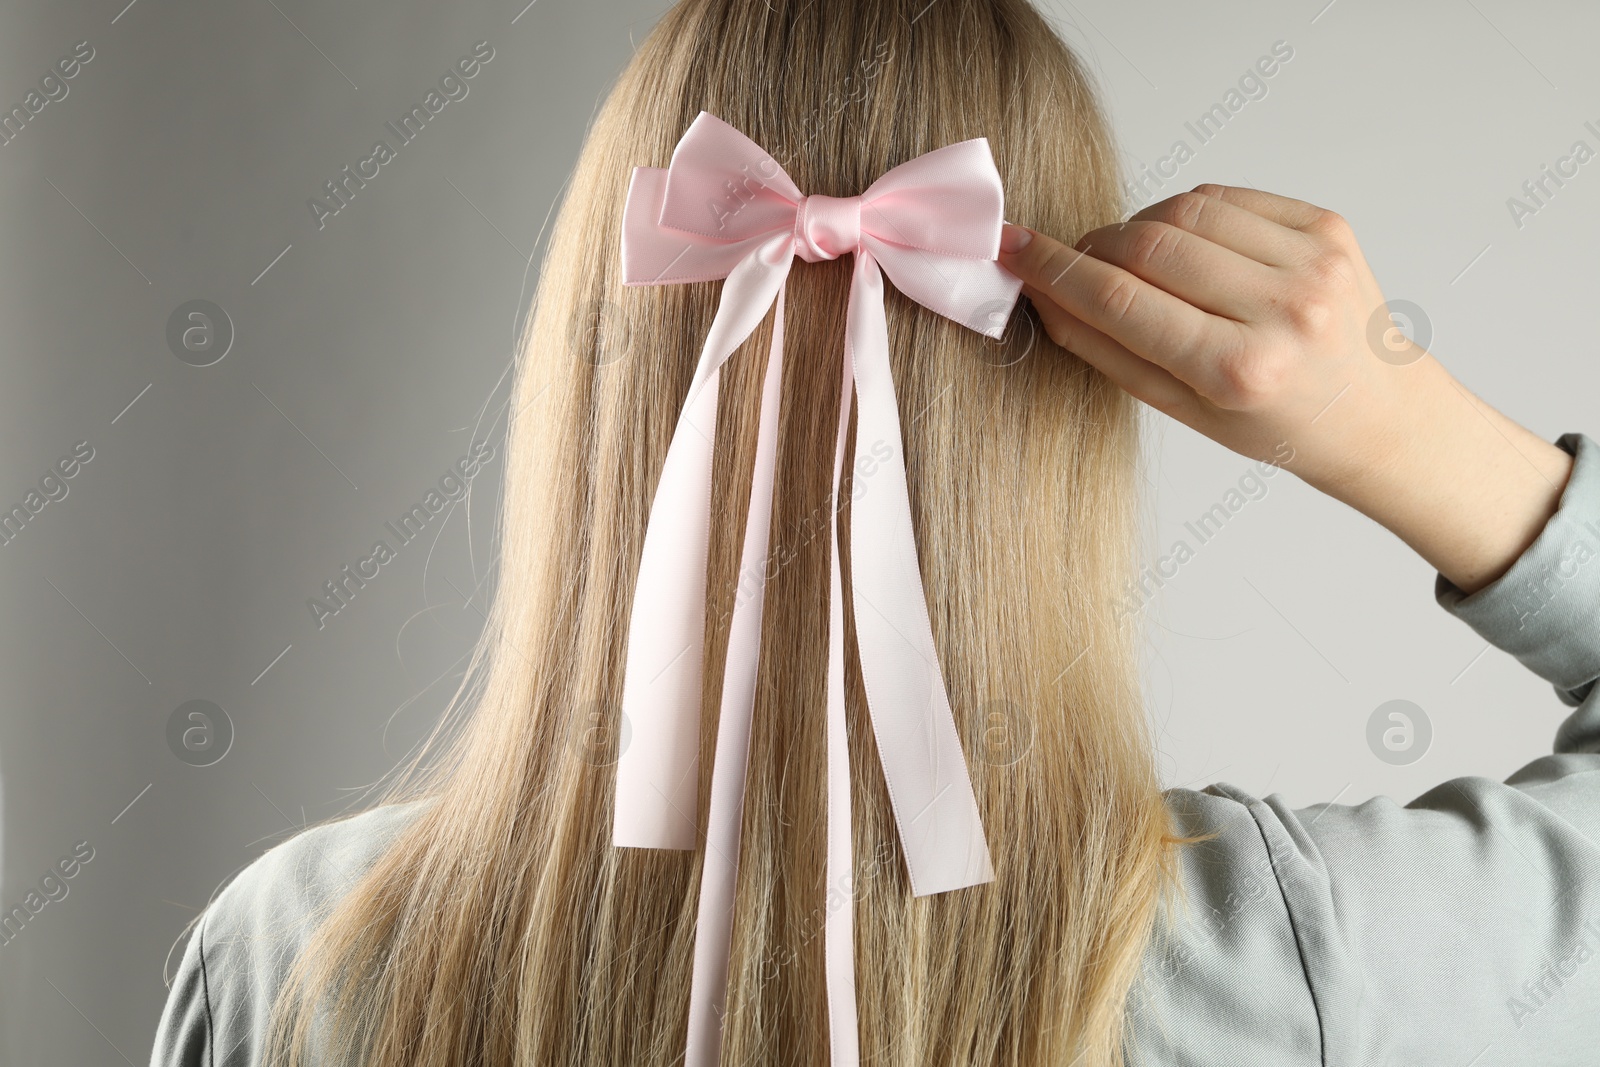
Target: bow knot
x: 826, y: 227
x: 934, y: 229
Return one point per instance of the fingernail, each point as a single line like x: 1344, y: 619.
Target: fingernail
x: 1014, y: 238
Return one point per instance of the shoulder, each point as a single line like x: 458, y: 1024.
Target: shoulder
x: 242, y: 947
x: 296, y: 880
x: 1380, y: 932
x: 1223, y: 978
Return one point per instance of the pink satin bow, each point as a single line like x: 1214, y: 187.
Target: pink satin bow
x: 725, y: 209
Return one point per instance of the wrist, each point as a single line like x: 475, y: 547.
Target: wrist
x: 1466, y: 487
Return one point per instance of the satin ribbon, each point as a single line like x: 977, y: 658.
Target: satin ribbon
x: 725, y: 209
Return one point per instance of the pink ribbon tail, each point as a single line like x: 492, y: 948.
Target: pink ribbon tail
x: 941, y: 831
x: 657, y: 774
x: 838, y: 925
x: 719, y: 875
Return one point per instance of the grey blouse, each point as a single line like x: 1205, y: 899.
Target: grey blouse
x: 1459, y: 930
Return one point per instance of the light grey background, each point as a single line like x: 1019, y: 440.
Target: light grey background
x: 369, y: 355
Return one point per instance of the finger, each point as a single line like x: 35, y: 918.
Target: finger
x: 1284, y: 210
x: 1202, y: 272
x: 1315, y: 227
x: 1229, y: 225
x: 1145, y: 319
x: 1139, y: 377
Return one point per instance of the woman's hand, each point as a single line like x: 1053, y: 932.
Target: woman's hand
x: 1254, y: 319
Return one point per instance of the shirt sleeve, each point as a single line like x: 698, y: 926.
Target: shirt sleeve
x: 1464, y: 927
x: 183, y: 1037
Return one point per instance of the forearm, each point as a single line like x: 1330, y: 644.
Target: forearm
x: 1462, y: 484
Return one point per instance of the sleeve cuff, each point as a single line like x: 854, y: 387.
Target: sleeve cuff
x: 1545, y: 610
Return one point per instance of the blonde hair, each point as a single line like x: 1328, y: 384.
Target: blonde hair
x: 501, y: 927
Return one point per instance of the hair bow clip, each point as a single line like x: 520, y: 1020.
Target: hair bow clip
x: 725, y: 209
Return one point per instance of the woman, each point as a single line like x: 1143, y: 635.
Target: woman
x: 483, y: 916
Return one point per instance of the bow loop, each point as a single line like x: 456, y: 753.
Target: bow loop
x: 724, y: 186
x: 948, y: 201
x: 933, y: 223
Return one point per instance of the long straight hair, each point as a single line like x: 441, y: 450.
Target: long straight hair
x: 501, y: 927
